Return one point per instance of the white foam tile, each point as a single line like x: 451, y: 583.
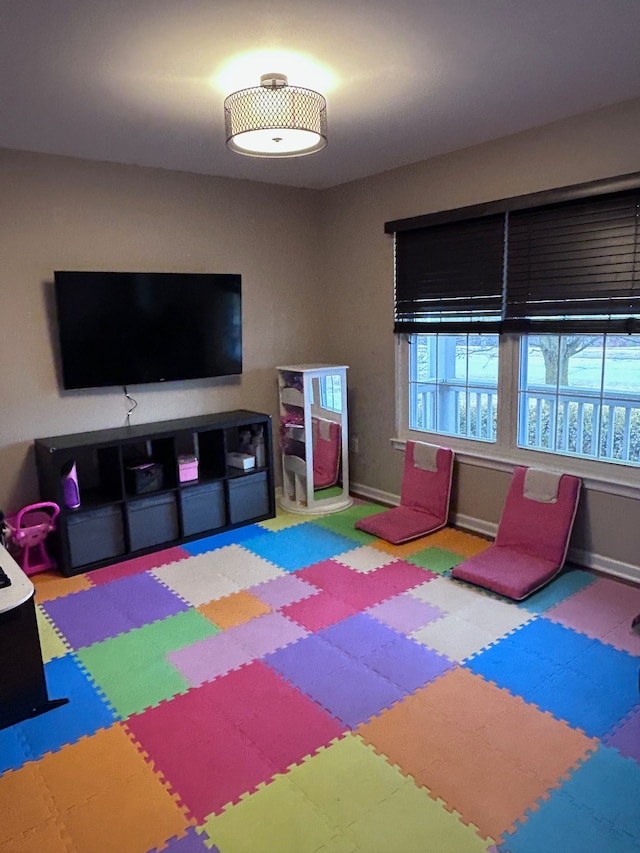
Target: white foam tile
x: 454, y: 637
x: 365, y: 559
x: 446, y: 594
x: 245, y: 568
x: 196, y: 579
x: 494, y: 615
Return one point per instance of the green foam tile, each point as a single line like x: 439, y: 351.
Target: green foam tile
x: 132, y: 669
x: 437, y: 560
x: 343, y: 522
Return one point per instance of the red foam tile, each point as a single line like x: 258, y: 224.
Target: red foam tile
x: 205, y: 759
x: 282, y: 722
x: 137, y: 565
x: 319, y: 611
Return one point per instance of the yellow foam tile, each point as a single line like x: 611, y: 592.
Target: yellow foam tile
x: 51, y: 643
x: 50, y: 585
x: 371, y: 780
x: 409, y: 820
x: 276, y: 817
x: 285, y: 519
x: 234, y: 609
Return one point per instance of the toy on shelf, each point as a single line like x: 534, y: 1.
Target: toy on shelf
x: 26, y: 534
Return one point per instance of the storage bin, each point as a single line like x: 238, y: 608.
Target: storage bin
x: 202, y: 508
x: 248, y: 497
x: 187, y: 468
x: 152, y: 521
x: 95, y: 535
x: 143, y: 477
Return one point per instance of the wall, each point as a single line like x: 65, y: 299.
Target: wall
x: 359, y: 273
x: 62, y: 213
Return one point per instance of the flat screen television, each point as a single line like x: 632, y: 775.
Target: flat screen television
x: 124, y: 328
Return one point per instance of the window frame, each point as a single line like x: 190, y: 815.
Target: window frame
x: 607, y: 476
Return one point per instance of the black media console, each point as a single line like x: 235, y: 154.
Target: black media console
x: 120, y: 517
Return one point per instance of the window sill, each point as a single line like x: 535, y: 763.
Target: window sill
x: 625, y: 482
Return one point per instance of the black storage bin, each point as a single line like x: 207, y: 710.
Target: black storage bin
x: 95, y: 535
x: 202, y: 508
x: 152, y: 521
x: 248, y: 497
x: 143, y: 477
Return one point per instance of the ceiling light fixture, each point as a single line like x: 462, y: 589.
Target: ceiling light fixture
x: 275, y: 119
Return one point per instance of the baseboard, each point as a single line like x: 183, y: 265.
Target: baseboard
x: 578, y: 556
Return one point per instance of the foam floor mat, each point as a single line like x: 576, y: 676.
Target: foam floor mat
x: 298, y: 686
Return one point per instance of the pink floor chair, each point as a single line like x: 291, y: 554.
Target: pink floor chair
x: 533, y: 535
x: 424, y: 496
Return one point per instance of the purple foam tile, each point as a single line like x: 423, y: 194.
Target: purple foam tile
x: 104, y: 611
x: 283, y: 590
x: 309, y: 657
x: 359, y: 635
x: 192, y: 842
x: 624, y: 637
x: 626, y: 738
x: 209, y: 658
x: 266, y: 633
x: 407, y: 664
x: 405, y: 613
x: 352, y: 693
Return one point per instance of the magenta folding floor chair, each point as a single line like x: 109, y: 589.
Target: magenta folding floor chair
x: 424, y: 496
x: 533, y: 535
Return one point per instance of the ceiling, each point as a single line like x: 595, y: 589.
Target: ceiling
x: 143, y: 81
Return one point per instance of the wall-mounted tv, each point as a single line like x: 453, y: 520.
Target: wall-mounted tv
x: 129, y: 328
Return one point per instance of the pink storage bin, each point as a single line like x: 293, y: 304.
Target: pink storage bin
x: 187, y: 468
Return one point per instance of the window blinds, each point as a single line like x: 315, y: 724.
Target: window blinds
x: 571, y: 265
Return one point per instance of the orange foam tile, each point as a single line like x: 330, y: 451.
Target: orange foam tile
x: 406, y: 550
x: 50, y: 585
x: 49, y: 837
x: 505, y: 754
x: 26, y: 804
x: 86, y: 768
x: 234, y: 609
x: 138, y: 814
x: 465, y: 544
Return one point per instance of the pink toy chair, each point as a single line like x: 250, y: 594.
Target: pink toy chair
x: 28, y: 530
x: 424, y: 496
x: 533, y: 535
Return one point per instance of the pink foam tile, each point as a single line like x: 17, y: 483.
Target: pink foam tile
x: 283, y: 590
x: 362, y: 590
x: 319, y: 611
x: 329, y: 575
x: 209, y: 658
x: 283, y: 723
x: 266, y: 633
x: 137, y: 565
x: 599, y: 609
x: 206, y: 760
x: 402, y: 576
x: 624, y: 637
x: 405, y: 613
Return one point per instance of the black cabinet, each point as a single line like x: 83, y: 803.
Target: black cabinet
x: 150, y: 486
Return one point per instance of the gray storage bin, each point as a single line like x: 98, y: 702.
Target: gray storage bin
x: 152, y: 521
x: 95, y: 535
x: 248, y: 497
x: 202, y: 508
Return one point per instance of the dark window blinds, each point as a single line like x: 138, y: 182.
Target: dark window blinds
x: 567, y: 266
x: 575, y: 264
x: 450, y: 275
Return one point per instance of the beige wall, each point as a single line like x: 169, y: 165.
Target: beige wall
x: 61, y: 213
x: 359, y: 275
x: 317, y: 282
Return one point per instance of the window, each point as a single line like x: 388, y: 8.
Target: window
x: 580, y: 395
x: 453, y: 384
x: 518, y: 321
x: 331, y: 392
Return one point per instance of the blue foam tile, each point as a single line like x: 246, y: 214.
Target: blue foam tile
x: 221, y: 540
x: 583, y: 681
x: 296, y: 547
x: 564, y: 586
x: 13, y: 751
x: 559, y: 825
x: 608, y: 785
x: 84, y: 714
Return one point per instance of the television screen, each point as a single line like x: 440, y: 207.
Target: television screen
x: 118, y: 328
